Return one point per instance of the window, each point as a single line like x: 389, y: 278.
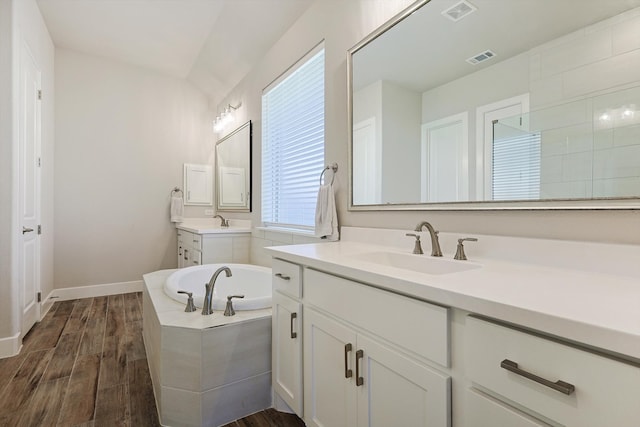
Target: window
x: 516, y: 164
x: 293, y: 143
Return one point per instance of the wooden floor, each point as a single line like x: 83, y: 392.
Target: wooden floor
x: 85, y: 365
x: 268, y: 418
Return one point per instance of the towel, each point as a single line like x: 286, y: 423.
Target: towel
x: 326, y: 215
x: 177, y: 208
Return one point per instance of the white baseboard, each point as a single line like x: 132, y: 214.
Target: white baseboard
x: 10, y: 346
x: 63, y: 294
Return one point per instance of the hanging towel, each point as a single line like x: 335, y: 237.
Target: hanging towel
x: 177, y: 208
x: 326, y: 215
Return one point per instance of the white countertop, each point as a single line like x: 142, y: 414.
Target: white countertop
x: 212, y: 226
x: 596, y: 308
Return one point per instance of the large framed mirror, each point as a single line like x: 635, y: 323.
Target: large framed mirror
x: 497, y: 104
x: 233, y: 167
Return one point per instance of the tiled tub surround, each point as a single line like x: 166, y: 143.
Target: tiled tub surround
x: 561, y: 309
x: 206, y: 370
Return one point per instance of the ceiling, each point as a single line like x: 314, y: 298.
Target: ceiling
x: 212, y: 43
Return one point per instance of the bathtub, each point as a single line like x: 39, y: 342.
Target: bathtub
x: 252, y: 281
x: 210, y: 370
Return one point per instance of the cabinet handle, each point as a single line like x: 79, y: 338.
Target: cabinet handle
x: 359, y: 379
x: 282, y: 276
x: 293, y: 317
x: 195, y: 241
x: 561, y: 386
x: 186, y: 251
x: 348, y: 373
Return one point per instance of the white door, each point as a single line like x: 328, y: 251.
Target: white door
x: 367, y: 164
x: 286, y: 360
x: 397, y: 391
x: 329, y: 385
x: 444, y: 163
x: 29, y: 189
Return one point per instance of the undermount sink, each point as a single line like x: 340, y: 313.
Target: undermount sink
x: 418, y: 263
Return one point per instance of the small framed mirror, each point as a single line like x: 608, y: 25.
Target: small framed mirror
x: 233, y: 166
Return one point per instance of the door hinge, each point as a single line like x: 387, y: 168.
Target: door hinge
x: 39, y: 95
x: 39, y: 229
x: 39, y: 296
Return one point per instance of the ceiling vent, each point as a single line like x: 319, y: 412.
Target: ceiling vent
x: 481, y: 57
x: 459, y: 10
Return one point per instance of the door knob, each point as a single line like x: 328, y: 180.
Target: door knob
x: 26, y: 230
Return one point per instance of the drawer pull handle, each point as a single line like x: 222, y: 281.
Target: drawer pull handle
x: 348, y: 373
x: 561, y: 386
x: 282, y: 276
x: 293, y: 317
x: 359, y: 379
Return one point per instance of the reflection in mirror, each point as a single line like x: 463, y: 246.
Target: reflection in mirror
x: 233, y: 164
x: 492, y: 104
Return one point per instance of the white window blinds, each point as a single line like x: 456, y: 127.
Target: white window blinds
x: 293, y: 144
x: 516, y: 167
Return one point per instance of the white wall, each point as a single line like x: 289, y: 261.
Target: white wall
x: 8, y: 291
x: 342, y: 25
x: 123, y: 134
x: 21, y: 23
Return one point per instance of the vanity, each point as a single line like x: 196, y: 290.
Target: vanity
x: 527, y: 332
x: 204, y: 241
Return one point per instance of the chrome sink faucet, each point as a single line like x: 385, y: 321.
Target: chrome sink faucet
x: 435, y: 243
x: 207, y: 306
x: 223, y: 222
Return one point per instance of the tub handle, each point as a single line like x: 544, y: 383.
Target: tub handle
x: 282, y: 276
x: 229, y: 311
x: 293, y: 317
x: 190, y: 305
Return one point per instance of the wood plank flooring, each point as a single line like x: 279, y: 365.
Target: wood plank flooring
x: 84, y: 365
x: 268, y: 418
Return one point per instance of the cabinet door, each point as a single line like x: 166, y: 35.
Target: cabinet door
x: 397, y: 391
x: 329, y: 386
x: 286, y: 340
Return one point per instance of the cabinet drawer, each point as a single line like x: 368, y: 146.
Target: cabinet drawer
x: 286, y: 278
x: 606, y: 390
x: 416, y: 326
x: 485, y: 411
x: 196, y: 241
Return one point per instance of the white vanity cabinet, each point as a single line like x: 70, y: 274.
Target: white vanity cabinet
x: 286, y: 335
x: 555, y: 383
x: 365, y: 363
x: 189, y: 249
x: 212, y: 248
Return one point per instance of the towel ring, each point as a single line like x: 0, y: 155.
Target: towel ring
x: 334, y: 169
x: 176, y: 190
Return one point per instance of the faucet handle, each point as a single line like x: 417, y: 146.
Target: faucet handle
x: 229, y: 311
x: 460, y: 255
x: 190, y: 305
x: 417, y: 249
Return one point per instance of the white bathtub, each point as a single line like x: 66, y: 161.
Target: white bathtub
x: 252, y: 281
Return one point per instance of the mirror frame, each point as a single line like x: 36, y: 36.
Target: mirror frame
x: 626, y: 203
x: 217, y: 170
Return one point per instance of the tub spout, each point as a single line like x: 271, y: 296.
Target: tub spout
x: 207, y: 306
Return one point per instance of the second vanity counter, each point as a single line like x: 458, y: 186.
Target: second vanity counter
x: 581, y: 292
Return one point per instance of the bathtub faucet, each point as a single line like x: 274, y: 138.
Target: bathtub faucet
x: 207, y: 306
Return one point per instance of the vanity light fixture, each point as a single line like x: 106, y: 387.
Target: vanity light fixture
x: 225, y: 118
